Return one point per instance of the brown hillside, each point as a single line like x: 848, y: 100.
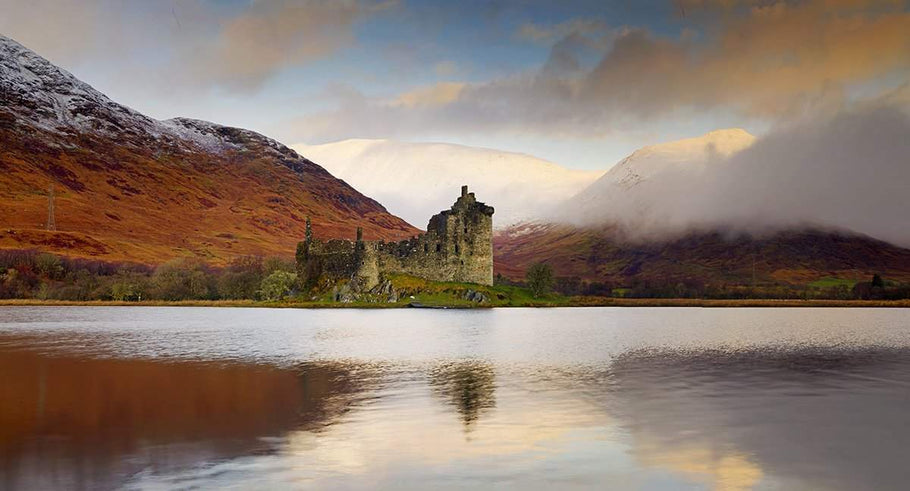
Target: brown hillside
x: 129, y: 187
x: 793, y: 257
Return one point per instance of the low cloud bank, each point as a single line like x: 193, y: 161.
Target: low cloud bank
x: 848, y: 172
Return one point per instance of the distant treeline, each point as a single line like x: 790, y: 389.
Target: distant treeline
x: 38, y: 275
x: 31, y: 274
x: 876, y: 288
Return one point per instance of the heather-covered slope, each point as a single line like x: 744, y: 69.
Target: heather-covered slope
x: 789, y: 257
x: 129, y: 187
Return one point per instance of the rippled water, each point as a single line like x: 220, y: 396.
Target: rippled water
x: 640, y: 398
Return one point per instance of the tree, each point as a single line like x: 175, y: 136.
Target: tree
x: 122, y: 291
x: 182, y: 279
x: 877, y: 281
x: 49, y: 265
x: 242, y: 277
x: 540, y: 279
x: 278, y: 285
x: 273, y: 264
x: 128, y: 285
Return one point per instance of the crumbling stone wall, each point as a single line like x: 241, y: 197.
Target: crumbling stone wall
x: 458, y: 246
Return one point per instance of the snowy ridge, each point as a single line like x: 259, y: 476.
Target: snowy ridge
x: 51, y: 97
x: 694, y: 153
x: 413, y: 179
x: 613, y: 194
x: 54, y: 100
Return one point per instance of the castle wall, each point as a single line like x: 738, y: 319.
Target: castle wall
x: 458, y: 246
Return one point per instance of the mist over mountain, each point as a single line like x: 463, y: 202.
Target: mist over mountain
x: 414, y: 179
x: 614, y: 190
x: 821, y: 198
x: 848, y: 172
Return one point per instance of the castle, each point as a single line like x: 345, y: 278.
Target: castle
x: 457, y: 246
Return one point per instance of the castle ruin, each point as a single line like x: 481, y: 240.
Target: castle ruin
x: 457, y: 246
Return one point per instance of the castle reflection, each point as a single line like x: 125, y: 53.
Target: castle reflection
x: 782, y: 418
x: 467, y: 386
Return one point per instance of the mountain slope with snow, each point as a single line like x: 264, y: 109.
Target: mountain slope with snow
x: 414, y: 180
x: 810, y: 200
x: 690, y: 157
x: 130, y: 187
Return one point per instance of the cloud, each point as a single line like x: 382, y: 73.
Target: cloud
x: 189, y: 44
x: 549, y: 34
x: 767, y: 60
x: 435, y: 95
x: 849, y: 172
x: 272, y: 35
x: 63, y: 30
x: 445, y: 68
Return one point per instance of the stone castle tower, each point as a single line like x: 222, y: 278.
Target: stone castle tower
x: 457, y: 246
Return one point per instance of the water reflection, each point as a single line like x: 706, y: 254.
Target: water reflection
x: 512, y: 406
x: 91, y: 423
x: 467, y: 386
x: 811, y: 417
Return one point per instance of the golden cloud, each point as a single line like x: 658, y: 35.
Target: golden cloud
x: 435, y: 95
x: 769, y: 60
x: 270, y: 36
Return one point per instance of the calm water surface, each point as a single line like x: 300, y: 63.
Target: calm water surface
x: 664, y: 398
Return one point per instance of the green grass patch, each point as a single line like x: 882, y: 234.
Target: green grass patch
x: 621, y: 292
x: 832, y: 282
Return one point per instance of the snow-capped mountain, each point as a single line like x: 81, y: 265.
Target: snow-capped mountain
x: 614, y: 190
x: 54, y: 100
x: 45, y: 96
x: 130, y: 187
x: 693, y: 153
x: 414, y: 179
x: 799, y: 204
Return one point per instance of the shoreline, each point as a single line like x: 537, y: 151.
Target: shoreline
x: 579, y: 302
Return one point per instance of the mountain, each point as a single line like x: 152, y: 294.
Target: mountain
x: 663, y: 214
x: 413, y: 179
x: 793, y: 257
x: 614, y: 190
x: 129, y: 187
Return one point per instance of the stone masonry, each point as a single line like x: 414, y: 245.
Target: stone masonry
x: 457, y: 246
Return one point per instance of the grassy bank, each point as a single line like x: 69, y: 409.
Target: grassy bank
x: 437, y: 302
x: 410, y: 291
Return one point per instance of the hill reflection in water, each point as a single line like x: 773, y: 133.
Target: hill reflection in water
x: 803, y: 416
x: 93, y: 422
x: 807, y: 417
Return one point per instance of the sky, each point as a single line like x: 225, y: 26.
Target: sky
x: 580, y: 83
